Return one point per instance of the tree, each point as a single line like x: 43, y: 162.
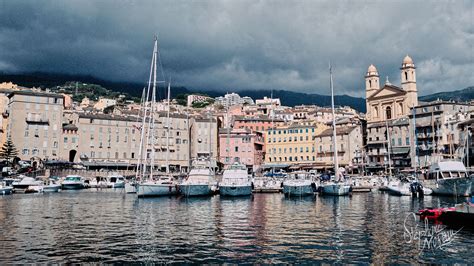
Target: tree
x: 8, y: 151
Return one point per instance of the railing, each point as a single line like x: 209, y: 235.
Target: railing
x: 37, y: 120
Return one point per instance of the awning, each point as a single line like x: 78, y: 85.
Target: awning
x: 400, y: 150
x: 275, y: 165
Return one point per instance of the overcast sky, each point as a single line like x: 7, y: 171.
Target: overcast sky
x: 233, y: 45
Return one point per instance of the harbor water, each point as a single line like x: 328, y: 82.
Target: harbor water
x: 110, y: 226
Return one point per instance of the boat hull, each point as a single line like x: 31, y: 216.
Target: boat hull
x: 336, y: 189
x: 155, y: 190
x: 119, y: 185
x: 235, y: 190
x: 195, y: 190
x: 450, y: 187
x: 303, y: 190
x: 72, y: 186
x: 130, y: 188
x: 51, y: 188
x: 6, y: 190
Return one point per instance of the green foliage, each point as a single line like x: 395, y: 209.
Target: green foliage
x: 91, y: 91
x: 8, y: 151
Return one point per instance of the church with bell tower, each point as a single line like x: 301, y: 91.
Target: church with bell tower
x: 390, y: 101
x: 388, y: 109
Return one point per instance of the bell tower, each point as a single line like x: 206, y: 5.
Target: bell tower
x: 408, y: 78
x: 372, y: 84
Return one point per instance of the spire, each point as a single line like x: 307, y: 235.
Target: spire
x: 387, y: 82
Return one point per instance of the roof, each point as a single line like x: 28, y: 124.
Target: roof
x: 35, y: 93
x: 107, y: 117
x: 339, y: 131
x: 397, y: 90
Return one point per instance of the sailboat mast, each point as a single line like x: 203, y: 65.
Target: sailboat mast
x: 334, y: 134
x: 415, y: 144
x: 153, y: 114
x: 210, y: 140
x: 141, y: 163
x: 389, y: 148
x: 168, y: 130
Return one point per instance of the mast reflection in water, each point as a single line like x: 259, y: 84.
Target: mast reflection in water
x: 90, y: 226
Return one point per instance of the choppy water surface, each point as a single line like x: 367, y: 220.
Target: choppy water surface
x: 91, y: 226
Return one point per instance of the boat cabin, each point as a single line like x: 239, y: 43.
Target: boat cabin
x: 447, y: 170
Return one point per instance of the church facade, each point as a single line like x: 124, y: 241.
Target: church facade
x: 388, y: 110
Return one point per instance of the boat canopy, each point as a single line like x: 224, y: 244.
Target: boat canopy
x: 448, y: 166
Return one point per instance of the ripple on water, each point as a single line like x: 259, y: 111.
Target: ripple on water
x: 108, y: 226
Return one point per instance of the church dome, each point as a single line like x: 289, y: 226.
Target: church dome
x: 407, y: 60
x: 372, y: 69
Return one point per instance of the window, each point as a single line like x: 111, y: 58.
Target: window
x: 408, y: 141
x: 55, y: 144
x: 65, y: 139
x: 133, y: 155
x: 236, y: 148
x: 25, y: 151
x: 399, y: 141
x: 388, y: 112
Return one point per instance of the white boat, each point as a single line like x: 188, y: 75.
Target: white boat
x: 24, y: 184
x: 298, y: 187
x: 199, y: 182
x: 449, y: 178
x: 400, y: 188
x: 99, y: 182
x: 164, y: 186
x: 336, y: 188
x: 131, y: 187
x: 73, y: 182
x: 235, y: 181
x: 6, y: 190
x: 116, y: 181
x: 51, y: 188
x: 266, y: 184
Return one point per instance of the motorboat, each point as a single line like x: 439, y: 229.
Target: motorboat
x: 298, y: 184
x: 116, y: 181
x: 25, y: 183
x: 449, y: 178
x: 235, y: 181
x: 51, y: 186
x: 267, y: 184
x: 99, y: 182
x: 161, y: 186
x: 199, y: 182
x: 73, y: 182
x: 131, y: 187
x: 401, y: 188
x: 5, y: 190
x: 336, y: 188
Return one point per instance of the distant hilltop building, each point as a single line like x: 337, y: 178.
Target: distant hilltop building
x: 268, y: 101
x: 103, y: 103
x: 196, y: 98
x: 231, y: 99
x: 8, y: 85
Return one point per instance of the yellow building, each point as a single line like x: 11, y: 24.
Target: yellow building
x: 292, y: 144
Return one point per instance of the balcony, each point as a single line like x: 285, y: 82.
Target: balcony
x: 37, y: 121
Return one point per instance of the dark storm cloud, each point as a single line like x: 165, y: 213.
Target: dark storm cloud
x: 232, y: 45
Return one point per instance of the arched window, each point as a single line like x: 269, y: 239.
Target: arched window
x: 406, y: 75
x: 376, y: 111
x: 388, y: 112
x: 401, y: 108
x: 370, y: 83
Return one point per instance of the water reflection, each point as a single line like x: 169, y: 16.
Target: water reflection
x: 109, y: 226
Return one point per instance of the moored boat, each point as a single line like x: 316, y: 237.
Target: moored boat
x: 116, y: 181
x: 235, y: 181
x: 199, y: 181
x: 449, y: 178
x: 336, y: 188
x: 25, y: 183
x: 73, y: 182
x: 163, y: 186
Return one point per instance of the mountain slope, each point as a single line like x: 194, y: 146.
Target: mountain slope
x: 463, y: 95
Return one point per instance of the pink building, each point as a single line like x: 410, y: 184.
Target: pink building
x: 258, y: 123
x: 241, y: 145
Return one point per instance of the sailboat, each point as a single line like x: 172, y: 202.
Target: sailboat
x: 148, y: 184
x: 201, y: 179
x: 336, y: 186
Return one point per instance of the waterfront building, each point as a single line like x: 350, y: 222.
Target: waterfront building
x: 292, y: 144
x: 35, y: 123
x: 204, y: 134
x: 241, y: 145
x: 439, y: 135
x: 232, y: 99
x: 350, y: 147
x: 388, y: 108
x: 258, y: 123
